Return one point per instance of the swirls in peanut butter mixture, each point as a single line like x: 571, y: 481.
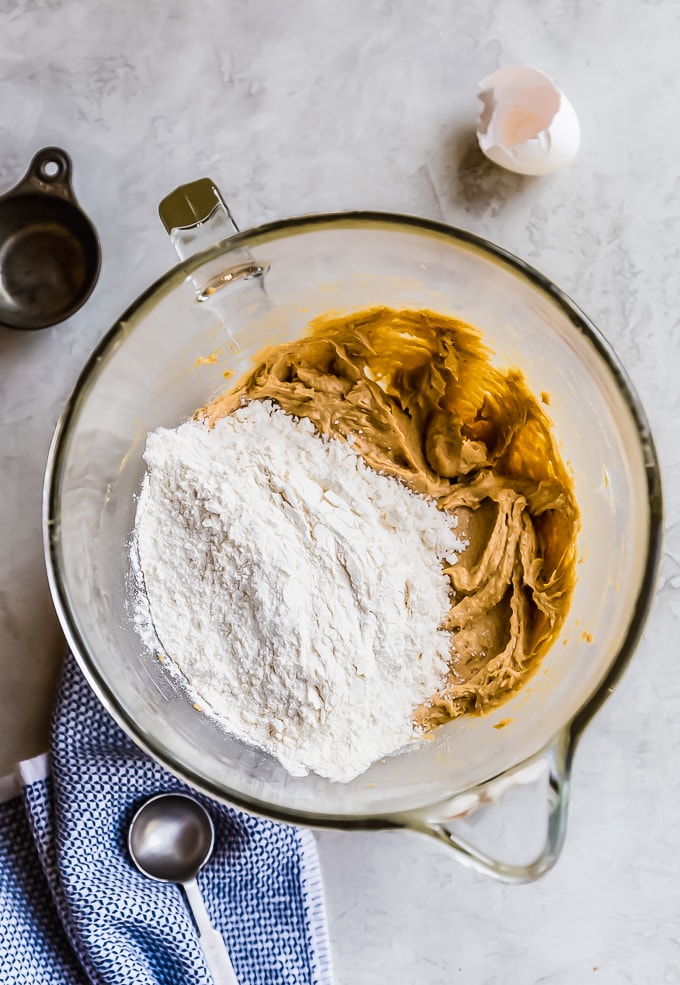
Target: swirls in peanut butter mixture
x: 418, y: 396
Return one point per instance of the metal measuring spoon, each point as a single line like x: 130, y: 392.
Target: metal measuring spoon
x: 170, y: 839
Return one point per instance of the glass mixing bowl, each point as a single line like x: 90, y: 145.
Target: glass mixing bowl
x: 493, y: 788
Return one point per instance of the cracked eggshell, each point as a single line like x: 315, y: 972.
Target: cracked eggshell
x: 526, y: 124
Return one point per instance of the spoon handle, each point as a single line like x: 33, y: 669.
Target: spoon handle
x: 215, y: 950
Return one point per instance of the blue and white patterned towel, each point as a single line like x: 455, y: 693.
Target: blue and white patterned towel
x: 74, y: 910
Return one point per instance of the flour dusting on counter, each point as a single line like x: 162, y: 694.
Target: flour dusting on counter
x: 299, y: 591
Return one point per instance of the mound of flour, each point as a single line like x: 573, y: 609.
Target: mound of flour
x: 298, y: 591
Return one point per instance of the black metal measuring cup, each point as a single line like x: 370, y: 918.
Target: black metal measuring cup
x: 49, y: 250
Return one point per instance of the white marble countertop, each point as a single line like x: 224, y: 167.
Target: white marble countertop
x: 311, y: 106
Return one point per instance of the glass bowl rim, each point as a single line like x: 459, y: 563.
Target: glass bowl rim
x: 257, y: 236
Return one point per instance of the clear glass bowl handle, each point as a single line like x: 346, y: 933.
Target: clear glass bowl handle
x: 196, y: 217
x: 521, y: 812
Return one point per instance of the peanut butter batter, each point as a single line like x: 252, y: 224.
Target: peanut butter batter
x: 422, y: 402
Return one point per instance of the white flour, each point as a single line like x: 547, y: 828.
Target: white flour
x: 299, y: 591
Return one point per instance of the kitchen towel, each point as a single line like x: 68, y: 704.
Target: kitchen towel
x: 73, y: 909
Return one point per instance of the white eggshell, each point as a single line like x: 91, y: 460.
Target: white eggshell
x: 526, y: 124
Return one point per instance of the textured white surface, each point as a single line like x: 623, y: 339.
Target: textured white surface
x: 310, y: 105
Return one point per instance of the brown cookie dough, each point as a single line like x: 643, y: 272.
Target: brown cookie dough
x: 417, y: 393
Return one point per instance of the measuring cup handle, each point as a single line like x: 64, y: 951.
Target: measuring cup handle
x: 49, y: 173
x: 215, y: 950
x: 52, y: 166
x: 540, y: 785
